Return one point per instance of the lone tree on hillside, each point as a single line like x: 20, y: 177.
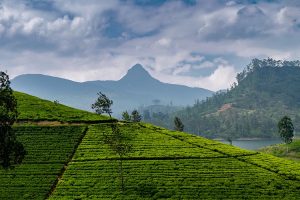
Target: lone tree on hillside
x: 117, y: 141
x: 286, y: 129
x: 11, y: 151
x: 102, y: 104
x: 120, y: 144
x: 135, y: 116
x: 178, y: 124
x: 126, y: 116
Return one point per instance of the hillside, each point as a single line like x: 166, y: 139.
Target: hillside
x: 135, y: 89
x: 74, y: 162
x: 174, y: 165
x: 265, y: 91
x: 288, y: 151
x: 31, y: 108
x: 49, y: 149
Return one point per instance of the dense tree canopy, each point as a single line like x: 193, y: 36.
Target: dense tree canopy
x: 250, y: 108
x: 126, y: 116
x: 135, y: 116
x: 103, y: 104
x: 286, y: 129
x: 11, y: 151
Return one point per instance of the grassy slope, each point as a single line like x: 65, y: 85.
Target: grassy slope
x: 280, y: 150
x: 164, y: 164
x: 36, y: 109
x: 175, y: 165
x: 48, y: 148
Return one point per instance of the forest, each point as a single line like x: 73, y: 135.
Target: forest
x: 264, y: 92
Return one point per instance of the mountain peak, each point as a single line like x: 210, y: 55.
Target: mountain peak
x: 139, y: 69
x: 137, y: 72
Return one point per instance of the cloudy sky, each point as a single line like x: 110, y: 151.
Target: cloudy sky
x: 199, y: 43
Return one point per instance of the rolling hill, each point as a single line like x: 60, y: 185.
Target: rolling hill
x: 265, y: 91
x: 135, y: 89
x: 71, y: 161
x: 32, y: 109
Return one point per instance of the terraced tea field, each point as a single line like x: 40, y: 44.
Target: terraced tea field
x: 49, y: 148
x: 68, y: 161
x: 174, y: 165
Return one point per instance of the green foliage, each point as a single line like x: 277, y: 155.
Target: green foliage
x: 286, y: 129
x: 146, y: 188
x: 118, y: 141
x: 49, y: 148
x: 135, y: 116
x: 147, y: 142
x: 163, y: 164
x: 102, y: 105
x: 279, y: 150
x: 11, y: 150
x: 8, y: 103
x: 174, y: 165
x: 178, y: 124
x: 266, y: 90
x: 126, y: 116
x: 35, y: 109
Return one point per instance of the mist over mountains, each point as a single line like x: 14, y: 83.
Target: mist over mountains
x: 137, y: 88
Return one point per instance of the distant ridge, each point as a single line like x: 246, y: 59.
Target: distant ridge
x: 137, y: 88
x: 265, y: 91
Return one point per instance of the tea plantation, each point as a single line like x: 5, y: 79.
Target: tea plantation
x: 49, y: 148
x: 174, y: 165
x: 71, y: 160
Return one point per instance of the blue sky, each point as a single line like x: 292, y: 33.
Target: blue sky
x: 199, y: 43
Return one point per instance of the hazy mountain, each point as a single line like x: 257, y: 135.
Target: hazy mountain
x: 136, y: 88
x: 265, y: 91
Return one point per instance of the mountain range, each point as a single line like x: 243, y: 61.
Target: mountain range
x: 137, y: 88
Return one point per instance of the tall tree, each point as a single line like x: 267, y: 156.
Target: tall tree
x: 11, y: 151
x: 120, y: 144
x: 116, y: 140
x: 286, y: 129
x: 103, y: 104
x: 135, y: 116
x: 178, y: 124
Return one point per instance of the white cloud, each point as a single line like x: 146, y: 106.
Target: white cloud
x: 230, y: 3
x: 32, y: 25
x: 173, y: 40
x: 221, y: 78
x: 164, y: 42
